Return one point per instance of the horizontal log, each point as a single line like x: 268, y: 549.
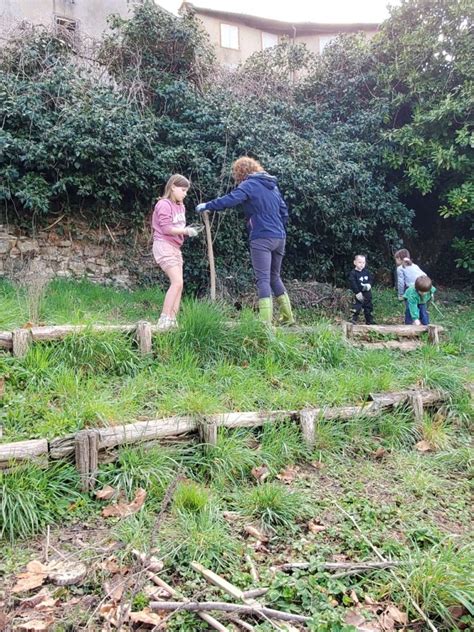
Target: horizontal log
x: 145, y: 430
x: 6, y: 340
x: 408, y: 331
x: 62, y: 447
x: 399, y: 345
x: 22, y: 451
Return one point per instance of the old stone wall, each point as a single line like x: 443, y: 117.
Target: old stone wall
x: 117, y: 257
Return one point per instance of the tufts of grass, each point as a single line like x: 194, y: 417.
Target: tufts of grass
x: 31, y: 498
x: 229, y: 461
x: 191, y: 497
x: 459, y: 459
x: 135, y: 531
x: 96, y: 352
x: 441, y: 578
x: 151, y: 470
x: 435, y: 430
x: 328, y: 348
x: 202, y: 536
x: 274, y: 505
x: 281, y: 444
x: 396, y: 428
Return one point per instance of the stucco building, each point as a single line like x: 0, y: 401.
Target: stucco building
x: 84, y: 17
x: 236, y: 36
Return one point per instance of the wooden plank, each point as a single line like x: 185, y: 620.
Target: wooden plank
x: 250, y: 419
x: 62, y: 447
x: 6, y: 340
x: 30, y: 450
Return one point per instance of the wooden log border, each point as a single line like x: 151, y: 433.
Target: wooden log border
x: 355, y: 333
x: 90, y: 447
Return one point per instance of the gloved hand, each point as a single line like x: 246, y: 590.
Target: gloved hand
x: 416, y: 322
x: 201, y: 207
x: 191, y: 231
x: 366, y: 287
x: 400, y: 298
x: 360, y: 297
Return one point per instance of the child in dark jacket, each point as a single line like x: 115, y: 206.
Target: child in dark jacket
x: 360, y: 282
x: 266, y: 213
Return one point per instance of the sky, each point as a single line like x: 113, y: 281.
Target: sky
x: 338, y: 11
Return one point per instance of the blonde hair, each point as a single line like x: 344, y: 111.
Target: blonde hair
x: 176, y: 180
x: 243, y: 167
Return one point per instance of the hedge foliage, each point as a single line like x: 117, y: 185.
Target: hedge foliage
x: 343, y: 132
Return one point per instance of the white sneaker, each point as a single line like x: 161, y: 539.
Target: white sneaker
x: 165, y: 323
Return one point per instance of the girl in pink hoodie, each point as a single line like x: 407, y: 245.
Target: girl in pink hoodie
x: 169, y: 230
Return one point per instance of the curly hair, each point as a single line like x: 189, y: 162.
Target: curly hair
x: 243, y: 167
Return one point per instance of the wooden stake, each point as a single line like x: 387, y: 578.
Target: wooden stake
x: 433, y: 334
x: 82, y: 458
x: 210, y: 255
x: 21, y: 342
x: 416, y: 401
x: 143, y: 335
x: 93, y: 456
x: 307, y: 419
x: 208, y: 432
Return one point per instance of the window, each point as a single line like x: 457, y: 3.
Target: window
x: 229, y: 36
x: 65, y: 24
x: 269, y: 40
x: 324, y: 41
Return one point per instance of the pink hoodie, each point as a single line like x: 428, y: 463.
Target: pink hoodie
x: 168, y: 214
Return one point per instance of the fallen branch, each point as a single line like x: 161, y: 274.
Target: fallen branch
x: 220, y: 606
x: 334, y: 566
x: 214, y: 623
x: 394, y: 575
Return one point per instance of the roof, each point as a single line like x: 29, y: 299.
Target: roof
x: 278, y: 26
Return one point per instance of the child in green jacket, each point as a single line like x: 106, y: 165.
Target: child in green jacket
x: 418, y: 297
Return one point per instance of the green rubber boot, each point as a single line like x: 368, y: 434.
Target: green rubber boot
x: 265, y: 310
x: 286, y: 313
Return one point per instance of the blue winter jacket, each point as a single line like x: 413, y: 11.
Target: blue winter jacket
x: 262, y: 203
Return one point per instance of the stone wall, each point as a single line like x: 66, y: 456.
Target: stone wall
x: 108, y: 256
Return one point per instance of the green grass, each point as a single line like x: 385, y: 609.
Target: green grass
x: 31, y: 498
x: 273, y: 505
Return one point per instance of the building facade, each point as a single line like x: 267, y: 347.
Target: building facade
x: 87, y: 18
x: 236, y: 36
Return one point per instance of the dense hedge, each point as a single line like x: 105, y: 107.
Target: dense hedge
x: 100, y: 138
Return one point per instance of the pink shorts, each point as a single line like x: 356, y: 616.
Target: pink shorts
x: 166, y: 255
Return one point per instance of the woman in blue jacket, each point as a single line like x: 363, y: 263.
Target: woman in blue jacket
x: 267, y: 216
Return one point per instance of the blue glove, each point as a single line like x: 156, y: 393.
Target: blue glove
x: 201, y: 207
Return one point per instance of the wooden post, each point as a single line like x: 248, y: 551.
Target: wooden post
x: 93, y: 456
x: 416, y: 401
x: 82, y: 458
x: 347, y: 329
x: 144, y: 337
x: 433, y: 334
x: 307, y: 418
x: 21, y: 342
x: 208, y: 432
x: 87, y: 457
x: 210, y: 255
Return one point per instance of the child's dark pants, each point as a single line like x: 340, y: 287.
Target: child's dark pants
x: 366, y: 305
